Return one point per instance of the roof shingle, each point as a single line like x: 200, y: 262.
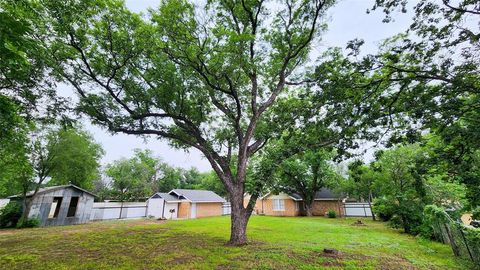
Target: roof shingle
x: 197, y: 195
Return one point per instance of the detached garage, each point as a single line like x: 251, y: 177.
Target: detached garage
x: 163, y: 205
x: 198, y: 203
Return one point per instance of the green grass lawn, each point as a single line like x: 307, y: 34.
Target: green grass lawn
x: 275, y: 243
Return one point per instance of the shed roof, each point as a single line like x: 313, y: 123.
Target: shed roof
x: 197, y: 195
x: 167, y: 197
x: 50, y: 189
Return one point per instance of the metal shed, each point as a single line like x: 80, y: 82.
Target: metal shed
x: 61, y: 205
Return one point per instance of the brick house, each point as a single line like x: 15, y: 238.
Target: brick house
x: 283, y: 204
x: 198, y: 203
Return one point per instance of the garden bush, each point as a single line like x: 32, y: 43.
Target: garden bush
x: 10, y: 215
x: 331, y: 214
x: 383, y: 209
x: 476, y: 213
x: 28, y: 223
x: 472, y: 237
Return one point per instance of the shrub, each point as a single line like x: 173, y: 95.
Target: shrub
x: 383, y: 209
x: 331, y: 214
x: 472, y: 240
x: 401, y: 212
x: 10, y: 214
x: 476, y: 213
x: 29, y: 223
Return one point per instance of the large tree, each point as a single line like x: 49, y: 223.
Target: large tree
x: 199, y: 76
x: 307, y: 173
x: 76, y: 158
x: 361, y: 182
x: 432, y: 73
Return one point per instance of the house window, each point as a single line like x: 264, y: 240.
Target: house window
x: 278, y: 205
x: 55, y: 207
x: 72, y: 208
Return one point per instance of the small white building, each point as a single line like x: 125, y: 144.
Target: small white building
x: 163, y: 205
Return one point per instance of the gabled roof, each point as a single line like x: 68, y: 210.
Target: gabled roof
x: 327, y: 194
x: 167, y: 197
x: 197, y: 195
x: 50, y: 189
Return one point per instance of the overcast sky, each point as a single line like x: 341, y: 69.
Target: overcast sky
x: 346, y: 21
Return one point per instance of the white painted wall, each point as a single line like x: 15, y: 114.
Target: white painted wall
x: 155, y: 207
x: 167, y: 213
x: 111, y: 210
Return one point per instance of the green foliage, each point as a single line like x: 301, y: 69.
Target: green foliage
x: 75, y: 157
x: 383, y: 208
x: 130, y: 179
x: 10, y: 214
x: 432, y: 72
x: 23, y: 70
x: 28, y: 223
x: 476, y: 213
x: 210, y: 181
x: 472, y: 237
x: 331, y: 214
x: 401, y: 187
x: 14, y: 148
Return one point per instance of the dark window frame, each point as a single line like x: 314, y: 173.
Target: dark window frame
x: 57, y: 207
x: 72, y: 206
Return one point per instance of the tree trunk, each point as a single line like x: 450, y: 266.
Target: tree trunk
x: 238, y: 233
x: 239, y: 220
x: 370, y: 205
x: 308, y: 209
x: 27, y: 204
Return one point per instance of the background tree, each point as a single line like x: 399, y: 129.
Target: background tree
x: 400, y: 189
x: 361, y: 183
x: 76, y: 158
x: 202, y: 82
x: 13, y: 148
x: 169, y: 178
x: 210, y: 181
x: 432, y: 73
x: 307, y: 173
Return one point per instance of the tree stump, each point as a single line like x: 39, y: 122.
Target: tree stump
x: 331, y: 251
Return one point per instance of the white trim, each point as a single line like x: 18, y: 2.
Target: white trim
x: 208, y: 201
x: 281, y: 204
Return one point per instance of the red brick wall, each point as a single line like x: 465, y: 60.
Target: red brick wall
x: 322, y: 206
x: 290, y: 209
x: 209, y: 209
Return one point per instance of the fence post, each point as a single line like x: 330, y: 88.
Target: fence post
x: 452, y: 241
x: 466, y: 245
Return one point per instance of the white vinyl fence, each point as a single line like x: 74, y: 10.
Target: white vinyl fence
x: 118, y: 210
x: 226, y: 209
x: 357, y: 210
